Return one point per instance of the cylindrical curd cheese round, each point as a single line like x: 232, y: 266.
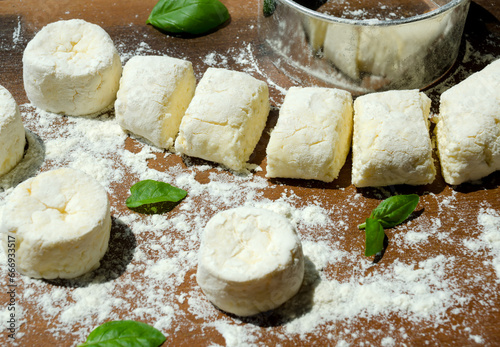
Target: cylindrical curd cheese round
x: 71, y: 67
x: 59, y: 222
x: 250, y: 261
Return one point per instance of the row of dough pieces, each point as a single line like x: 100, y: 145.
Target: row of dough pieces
x: 222, y: 119
x: 61, y: 218
x: 58, y: 223
x: 390, y: 130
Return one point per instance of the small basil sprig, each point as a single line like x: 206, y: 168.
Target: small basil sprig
x: 269, y: 7
x: 394, y: 210
x: 188, y: 16
x: 389, y: 213
x: 152, y: 197
x: 374, y: 237
x: 126, y: 333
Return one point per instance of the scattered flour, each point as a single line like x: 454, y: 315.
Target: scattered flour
x: 489, y: 239
x: 16, y: 35
x: 162, y: 250
x: 149, y: 271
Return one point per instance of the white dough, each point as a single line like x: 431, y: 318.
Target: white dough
x: 61, y: 223
x: 341, y: 48
x: 391, y: 142
x: 468, y: 128
x: 71, y: 67
x: 312, y: 137
x: 225, y: 119
x: 12, y: 135
x: 382, y: 51
x: 250, y: 261
x: 154, y: 94
x: 316, y: 30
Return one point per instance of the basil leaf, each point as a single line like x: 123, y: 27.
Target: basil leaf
x: 152, y: 197
x: 126, y: 333
x: 188, y: 16
x: 269, y: 7
x: 394, y: 210
x: 374, y: 237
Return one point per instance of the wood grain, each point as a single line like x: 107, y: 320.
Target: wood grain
x: 124, y: 20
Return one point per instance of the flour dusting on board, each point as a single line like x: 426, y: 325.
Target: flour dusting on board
x: 415, y: 290
x: 150, y: 257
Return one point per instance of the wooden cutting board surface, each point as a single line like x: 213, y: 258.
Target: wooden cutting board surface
x: 436, y: 283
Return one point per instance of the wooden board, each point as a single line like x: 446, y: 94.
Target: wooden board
x: 136, y: 280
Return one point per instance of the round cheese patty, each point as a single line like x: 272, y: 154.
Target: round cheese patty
x: 250, y: 261
x: 71, y: 67
x: 12, y: 135
x: 61, y: 223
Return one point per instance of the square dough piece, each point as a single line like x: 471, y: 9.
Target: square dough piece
x: 468, y: 128
x: 154, y: 94
x: 225, y: 119
x: 313, y: 135
x: 391, y: 142
x: 380, y: 51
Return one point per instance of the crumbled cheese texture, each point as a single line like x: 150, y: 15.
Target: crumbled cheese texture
x: 154, y: 94
x: 250, y: 260
x: 391, y: 140
x: 468, y: 128
x: 148, y: 273
x: 225, y: 119
x: 354, y: 50
x: 61, y: 222
x: 71, y: 67
x: 312, y: 137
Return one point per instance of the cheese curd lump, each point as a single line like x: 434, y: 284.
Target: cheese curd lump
x: 468, y: 127
x: 154, y: 94
x: 312, y: 137
x: 391, y: 142
x: 61, y: 223
x: 382, y: 51
x: 71, y: 67
x: 12, y: 134
x: 225, y: 118
x: 250, y: 261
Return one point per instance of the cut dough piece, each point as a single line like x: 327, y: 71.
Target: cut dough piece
x: 341, y: 48
x: 61, y: 223
x: 396, y: 51
x: 71, y: 67
x: 12, y: 135
x: 250, y: 261
x: 313, y: 135
x: 225, y: 119
x: 391, y: 142
x: 468, y: 128
x: 316, y: 31
x: 390, y: 52
x: 154, y: 94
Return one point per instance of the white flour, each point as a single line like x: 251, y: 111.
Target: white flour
x: 16, y: 35
x: 417, y: 291
x: 489, y: 239
x: 151, y: 257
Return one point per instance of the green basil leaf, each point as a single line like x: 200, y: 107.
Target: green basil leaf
x: 269, y: 7
x: 152, y: 197
x: 394, y: 210
x: 126, y: 333
x: 374, y: 237
x: 188, y: 16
